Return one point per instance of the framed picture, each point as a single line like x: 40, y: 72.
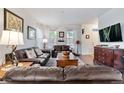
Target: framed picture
x: 12, y: 21
x: 31, y: 33
x: 87, y: 36
x: 83, y: 31
x: 61, y: 34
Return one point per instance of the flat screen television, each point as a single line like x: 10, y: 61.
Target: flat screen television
x: 111, y: 33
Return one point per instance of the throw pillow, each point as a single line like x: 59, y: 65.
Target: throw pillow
x: 30, y: 53
x: 38, y: 52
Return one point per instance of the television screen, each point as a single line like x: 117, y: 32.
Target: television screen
x: 111, y: 33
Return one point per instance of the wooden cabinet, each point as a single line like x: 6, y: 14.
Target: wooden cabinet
x: 103, y: 56
x: 109, y: 56
x: 119, y: 59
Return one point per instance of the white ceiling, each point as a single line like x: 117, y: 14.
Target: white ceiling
x: 65, y: 16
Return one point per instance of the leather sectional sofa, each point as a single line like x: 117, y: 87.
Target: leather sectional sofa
x: 69, y: 73
x: 41, y: 58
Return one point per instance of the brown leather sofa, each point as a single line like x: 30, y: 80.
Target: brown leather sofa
x: 21, y: 56
x: 59, y: 48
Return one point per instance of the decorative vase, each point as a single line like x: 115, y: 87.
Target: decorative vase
x: 66, y: 54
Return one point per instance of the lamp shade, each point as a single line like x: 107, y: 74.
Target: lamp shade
x: 11, y: 38
x: 45, y: 40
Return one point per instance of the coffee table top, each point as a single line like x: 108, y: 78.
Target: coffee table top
x: 62, y: 61
x: 71, y: 57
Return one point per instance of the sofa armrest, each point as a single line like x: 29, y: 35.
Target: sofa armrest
x: 46, y: 50
x: 28, y: 60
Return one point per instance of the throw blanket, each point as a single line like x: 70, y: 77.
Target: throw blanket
x: 34, y: 74
x: 82, y: 72
x: 88, y: 72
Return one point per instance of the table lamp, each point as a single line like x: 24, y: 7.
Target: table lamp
x: 44, y: 43
x: 12, y: 38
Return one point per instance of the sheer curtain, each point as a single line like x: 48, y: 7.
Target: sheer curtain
x: 71, y: 38
x: 52, y: 40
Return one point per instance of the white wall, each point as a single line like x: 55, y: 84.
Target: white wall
x: 39, y: 38
x: 88, y: 44
x: 65, y: 28
x: 112, y: 17
x: 28, y: 21
x: 75, y: 28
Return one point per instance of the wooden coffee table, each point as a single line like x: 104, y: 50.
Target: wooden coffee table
x: 6, y: 67
x: 63, y: 62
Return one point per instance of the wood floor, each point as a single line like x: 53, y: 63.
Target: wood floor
x: 88, y: 59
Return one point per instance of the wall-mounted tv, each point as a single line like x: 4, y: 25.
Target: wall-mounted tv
x: 111, y: 33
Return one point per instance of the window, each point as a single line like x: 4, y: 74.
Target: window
x: 52, y: 38
x: 39, y: 36
x: 70, y: 38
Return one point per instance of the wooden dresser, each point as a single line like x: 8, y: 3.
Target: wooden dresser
x: 109, y: 56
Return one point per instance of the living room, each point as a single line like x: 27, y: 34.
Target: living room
x: 61, y: 46
x: 51, y: 46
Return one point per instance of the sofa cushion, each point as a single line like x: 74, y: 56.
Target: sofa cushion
x: 57, y: 47
x: 30, y: 53
x: 65, y: 48
x: 45, y: 55
x: 87, y: 72
x: 34, y: 74
x: 35, y: 60
x: 38, y: 51
x: 20, y: 54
